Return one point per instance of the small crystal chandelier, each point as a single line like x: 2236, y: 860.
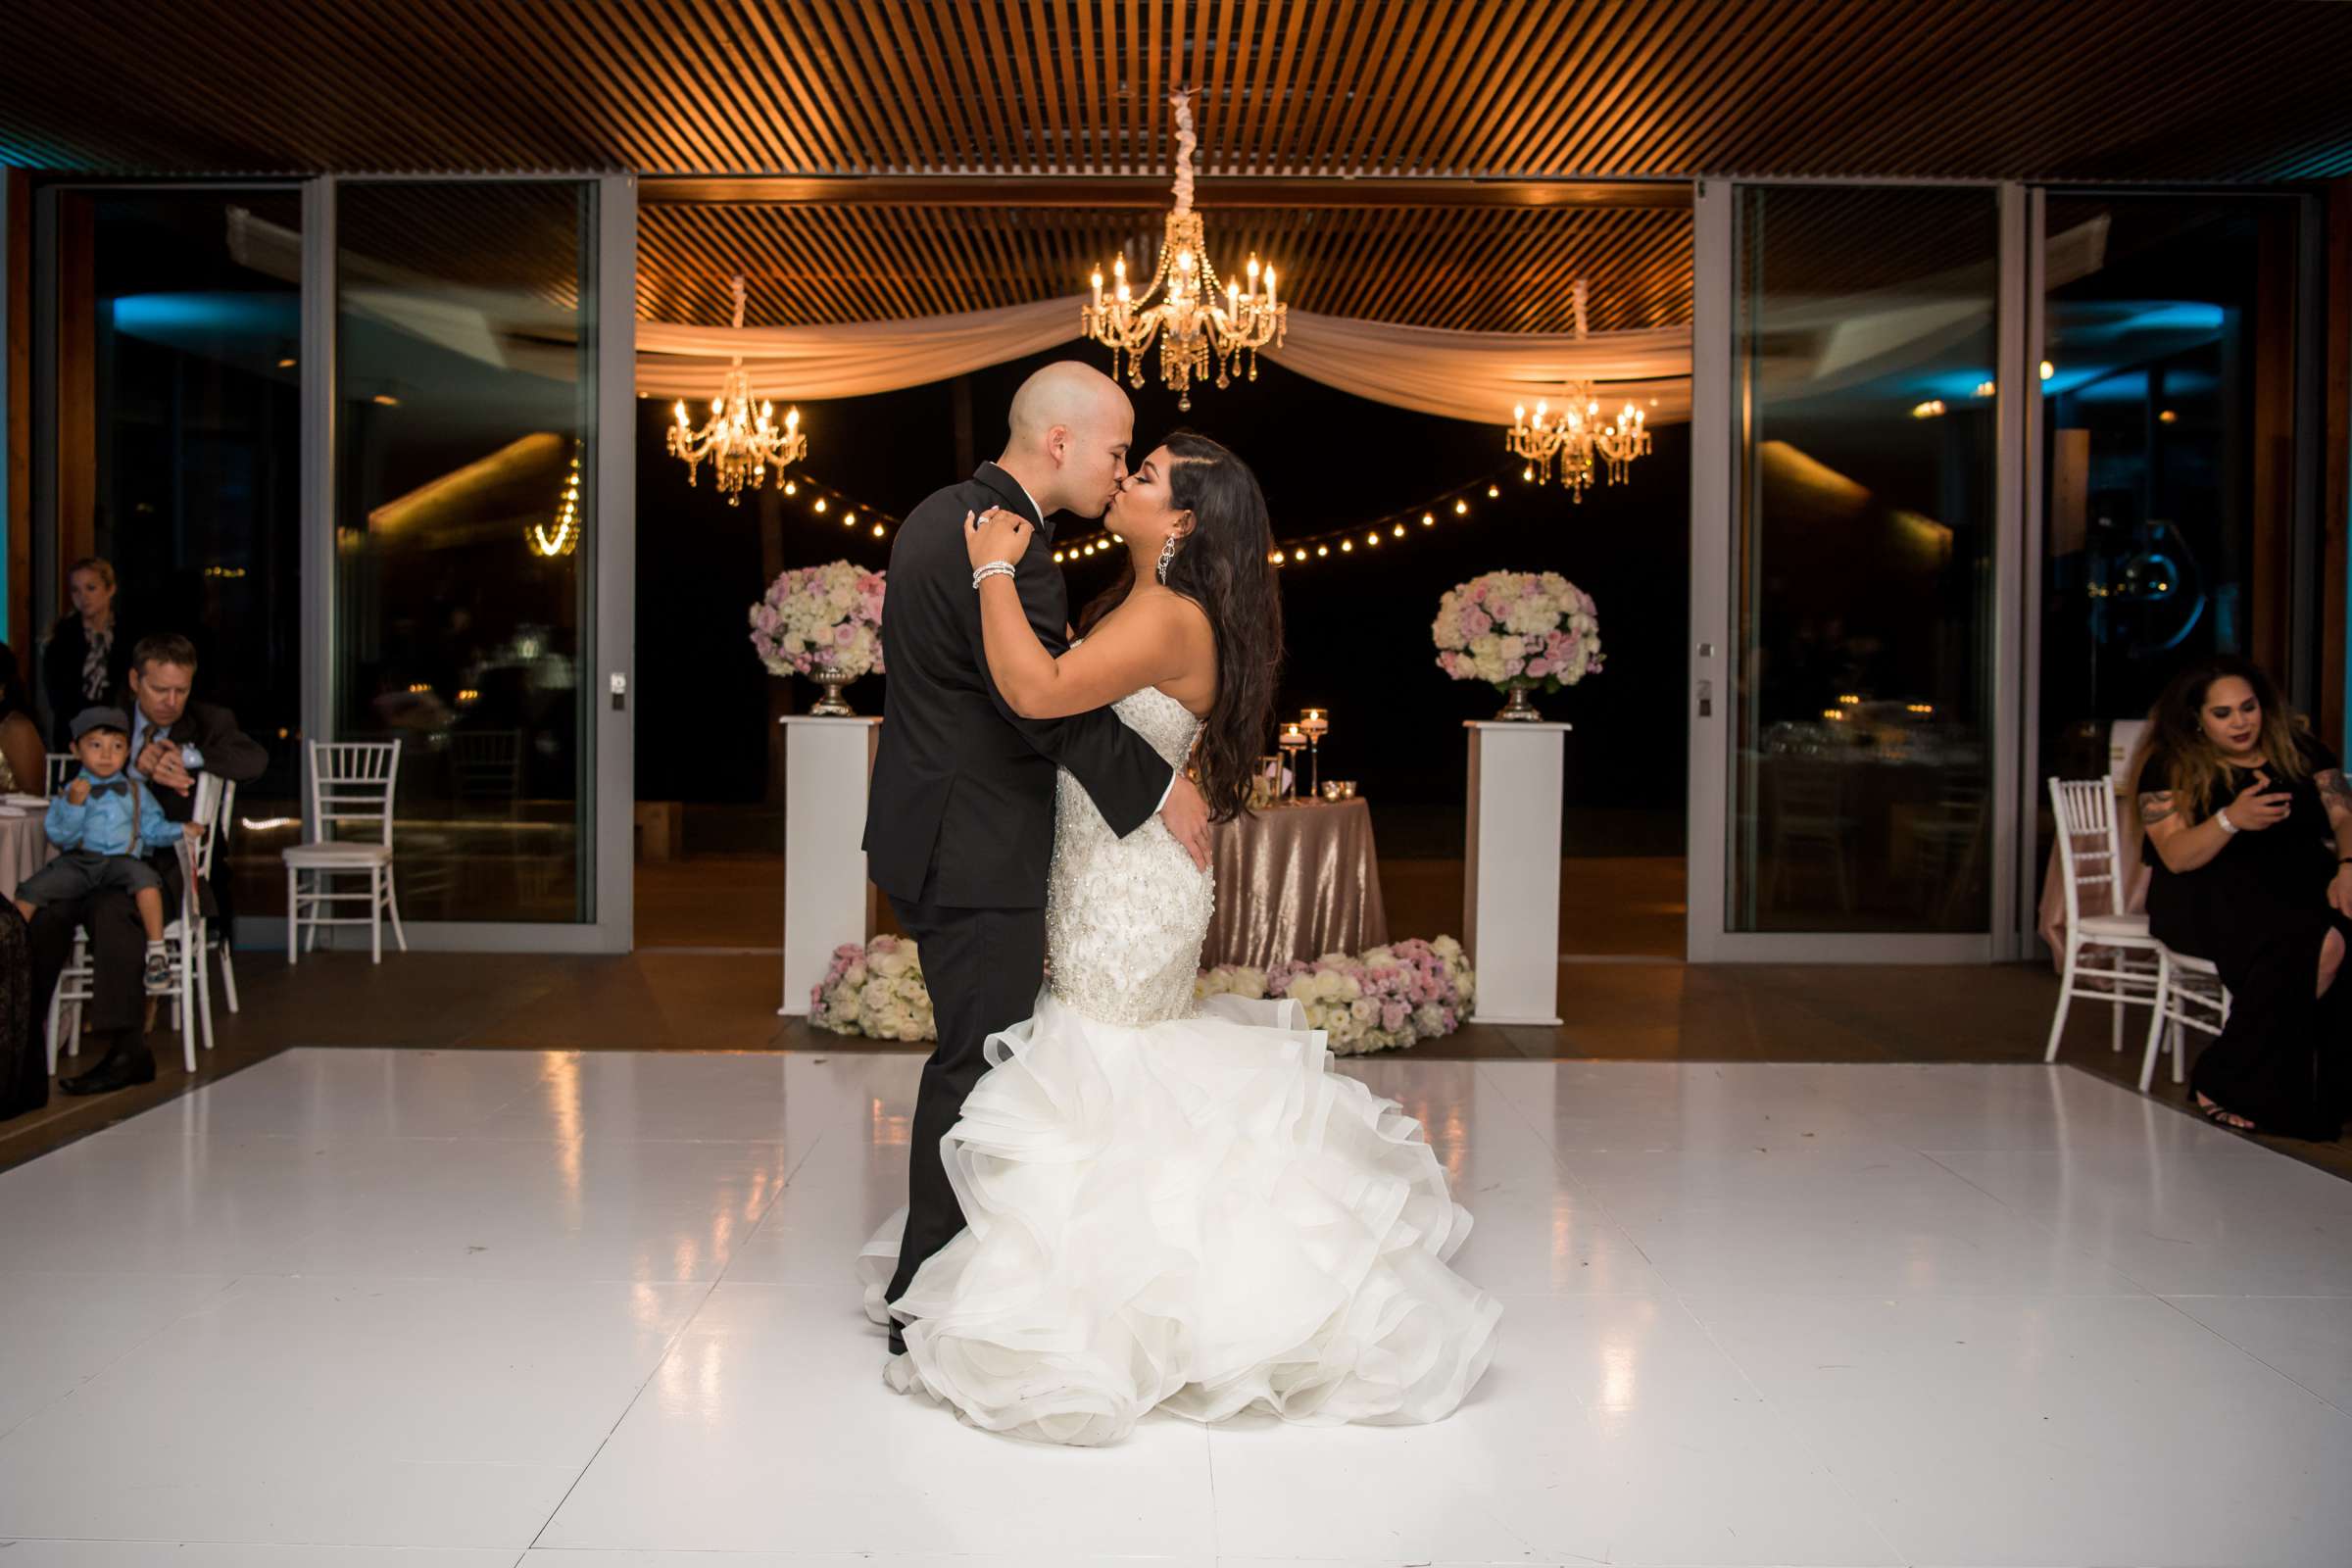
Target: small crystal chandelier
x: 742, y: 441
x: 1579, y: 441
x: 1195, y: 314
x: 561, y: 536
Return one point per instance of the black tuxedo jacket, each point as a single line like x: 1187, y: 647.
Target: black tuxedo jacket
x: 960, y: 811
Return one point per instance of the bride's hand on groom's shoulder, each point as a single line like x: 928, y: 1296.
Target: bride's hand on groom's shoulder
x: 996, y: 535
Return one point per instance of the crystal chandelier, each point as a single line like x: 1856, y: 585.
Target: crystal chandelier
x: 1195, y: 314
x: 742, y: 441
x: 562, y: 535
x: 1578, y: 442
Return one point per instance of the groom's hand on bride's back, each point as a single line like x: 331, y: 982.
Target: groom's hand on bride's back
x: 1187, y: 816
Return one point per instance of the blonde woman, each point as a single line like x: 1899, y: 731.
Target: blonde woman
x: 85, y: 661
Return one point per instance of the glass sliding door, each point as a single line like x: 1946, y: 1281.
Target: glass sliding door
x: 465, y: 532
x: 176, y: 457
x: 2169, y: 456
x: 1850, y: 699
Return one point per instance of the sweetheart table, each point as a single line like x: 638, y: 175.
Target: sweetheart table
x: 1296, y: 881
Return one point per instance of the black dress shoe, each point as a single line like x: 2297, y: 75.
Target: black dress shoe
x: 119, y: 1070
x: 898, y: 1342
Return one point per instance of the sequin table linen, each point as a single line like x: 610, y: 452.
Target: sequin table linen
x: 1296, y: 882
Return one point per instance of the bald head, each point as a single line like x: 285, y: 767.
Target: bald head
x: 1069, y: 429
x: 1064, y: 393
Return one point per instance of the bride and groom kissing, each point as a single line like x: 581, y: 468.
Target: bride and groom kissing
x: 1120, y: 1198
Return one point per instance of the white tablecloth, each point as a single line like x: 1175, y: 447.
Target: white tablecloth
x: 24, y: 847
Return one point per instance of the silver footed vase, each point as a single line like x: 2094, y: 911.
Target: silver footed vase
x: 830, y: 703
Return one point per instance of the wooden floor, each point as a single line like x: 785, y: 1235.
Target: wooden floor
x: 705, y: 977
x: 1639, y: 1009
x: 1623, y: 907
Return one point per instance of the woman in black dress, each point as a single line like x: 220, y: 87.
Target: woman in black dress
x: 86, y: 659
x: 2249, y: 833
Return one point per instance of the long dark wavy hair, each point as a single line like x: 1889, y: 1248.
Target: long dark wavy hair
x: 14, y: 699
x: 1223, y: 566
x: 2180, y: 757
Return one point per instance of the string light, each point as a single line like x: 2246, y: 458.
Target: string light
x: 825, y: 501
x: 1292, y: 552
x: 563, y: 536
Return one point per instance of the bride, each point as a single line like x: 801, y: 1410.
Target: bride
x: 1172, y: 1204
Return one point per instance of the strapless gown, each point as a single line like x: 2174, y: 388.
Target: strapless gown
x: 1177, y: 1204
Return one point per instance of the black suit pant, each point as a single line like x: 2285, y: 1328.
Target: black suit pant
x: 117, y: 958
x: 983, y: 969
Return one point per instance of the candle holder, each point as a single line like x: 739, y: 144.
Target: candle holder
x: 1314, y: 724
x: 1291, y: 741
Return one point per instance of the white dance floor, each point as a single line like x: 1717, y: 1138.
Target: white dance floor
x: 595, y: 1309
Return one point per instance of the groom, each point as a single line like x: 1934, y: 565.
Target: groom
x: 959, y: 815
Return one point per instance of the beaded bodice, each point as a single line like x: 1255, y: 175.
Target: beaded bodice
x: 1125, y: 918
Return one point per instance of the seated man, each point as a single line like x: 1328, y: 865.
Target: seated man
x: 173, y: 740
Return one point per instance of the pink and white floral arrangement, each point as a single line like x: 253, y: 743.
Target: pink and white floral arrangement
x: 825, y: 618
x: 876, y: 990
x: 1384, y: 998
x: 1527, y: 629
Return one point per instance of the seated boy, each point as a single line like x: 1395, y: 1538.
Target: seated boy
x: 102, y: 825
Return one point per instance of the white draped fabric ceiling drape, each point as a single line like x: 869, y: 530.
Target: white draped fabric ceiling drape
x: 1458, y: 376
x: 1479, y: 377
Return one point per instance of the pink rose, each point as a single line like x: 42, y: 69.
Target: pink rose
x: 1392, y: 1015
x: 844, y: 635
x: 1477, y: 622
x: 1478, y: 589
x: 1513, y: 666
x: 1539, y: 667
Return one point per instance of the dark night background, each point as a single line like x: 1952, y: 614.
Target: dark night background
x: 1358, y: 627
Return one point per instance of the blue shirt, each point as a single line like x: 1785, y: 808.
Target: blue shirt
x: 103, y: 823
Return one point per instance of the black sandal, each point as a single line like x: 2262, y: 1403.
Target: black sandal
x: 2227, y: 1120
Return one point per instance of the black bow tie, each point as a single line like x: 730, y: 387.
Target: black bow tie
x: 116, y: 787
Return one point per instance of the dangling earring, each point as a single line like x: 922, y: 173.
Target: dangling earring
x: 1167, y: 557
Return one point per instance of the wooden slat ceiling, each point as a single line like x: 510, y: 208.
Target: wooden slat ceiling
x: 1502, y: 269
x: 2091, y: 89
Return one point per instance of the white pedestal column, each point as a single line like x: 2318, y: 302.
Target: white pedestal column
x: 827, y: 899
x: 1511, y: 881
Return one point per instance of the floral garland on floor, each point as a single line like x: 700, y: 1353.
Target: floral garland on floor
x: 1384, y: 998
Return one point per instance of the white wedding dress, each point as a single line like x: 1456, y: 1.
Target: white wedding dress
x: 1176, y: 1204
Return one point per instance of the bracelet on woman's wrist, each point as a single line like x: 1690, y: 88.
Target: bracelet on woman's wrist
x: 995, y: 569
x: 2223, y: 818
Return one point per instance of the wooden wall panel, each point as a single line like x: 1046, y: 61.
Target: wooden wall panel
x: 16, y: 328
x: 2090, y: 90
x: 2335, y: 492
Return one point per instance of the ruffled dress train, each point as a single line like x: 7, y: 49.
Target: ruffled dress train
x: 1192, y: 1214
